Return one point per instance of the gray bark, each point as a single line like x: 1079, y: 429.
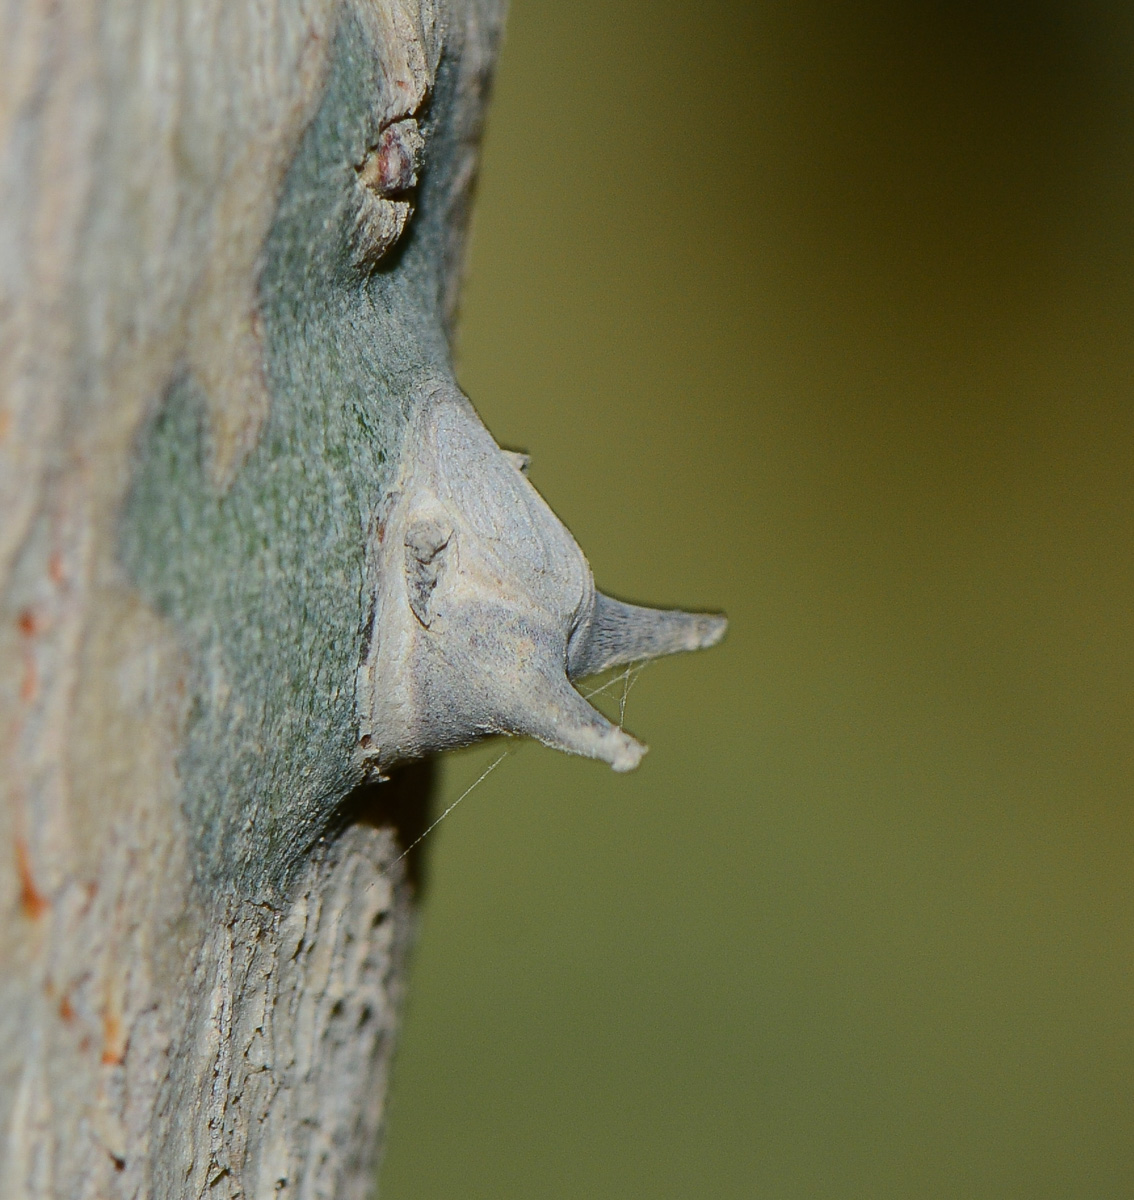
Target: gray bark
x: 221, y: 285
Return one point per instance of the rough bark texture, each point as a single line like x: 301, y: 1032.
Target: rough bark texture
x: 210, y: 333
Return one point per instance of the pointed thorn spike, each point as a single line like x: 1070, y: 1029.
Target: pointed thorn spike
x: 621, y: 633
x: 559, y: 717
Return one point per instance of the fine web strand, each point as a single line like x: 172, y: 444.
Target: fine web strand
x: 467, y: 792
x: 627, y: 678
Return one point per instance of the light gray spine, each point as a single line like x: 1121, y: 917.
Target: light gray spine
x: 486, y: 609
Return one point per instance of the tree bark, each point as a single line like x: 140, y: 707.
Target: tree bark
x: 221, y: 282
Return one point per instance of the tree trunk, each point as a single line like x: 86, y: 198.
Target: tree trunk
x: 258, y: 553
x: 221, y: 284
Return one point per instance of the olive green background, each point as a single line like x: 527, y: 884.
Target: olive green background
x: 820, y: 314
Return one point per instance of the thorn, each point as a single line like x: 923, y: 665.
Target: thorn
x: 555, y: 714
x: 518, y: 459
x: 619, y: 633
x: 485, y: 609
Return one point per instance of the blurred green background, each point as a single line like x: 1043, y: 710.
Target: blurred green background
x: 821, y: 314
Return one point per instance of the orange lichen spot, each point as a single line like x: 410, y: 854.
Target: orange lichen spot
x: 32, y: 900
x: 29, y: 684
x: 27, y: 622
x: 55, y: 568
x: 113, y: 1039
x: 66, y: 1011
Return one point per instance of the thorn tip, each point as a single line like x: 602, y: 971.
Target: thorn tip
x: 618, y: 633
